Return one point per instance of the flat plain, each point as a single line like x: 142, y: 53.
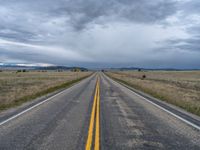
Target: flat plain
x: 102, y: 113
x: 180, y: 88
x: 18, y: 87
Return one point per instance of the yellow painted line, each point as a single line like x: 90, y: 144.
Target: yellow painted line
x: 97, y: 131
x: 92, y: 121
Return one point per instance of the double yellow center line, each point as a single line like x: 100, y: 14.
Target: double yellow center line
x: 94, y: 121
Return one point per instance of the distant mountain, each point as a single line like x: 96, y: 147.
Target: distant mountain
x: 125, y: 68
x: 15, y: 67
x: 10, y: 66
x: 62, y: 68
x: 153, y: 69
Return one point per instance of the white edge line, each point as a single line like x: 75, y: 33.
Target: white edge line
x: 162, y: 108
x: 36, y: 105
x: 182, y: 119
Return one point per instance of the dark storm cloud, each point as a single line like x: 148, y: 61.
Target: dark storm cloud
x: 80, y: 13
x: 191, y: 6
x: 83, y: 12
x: 99, y: 31
x: 16, y: 34
x: 190, y: 45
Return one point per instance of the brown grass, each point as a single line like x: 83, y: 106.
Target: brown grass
x: 181, y: 88
x: 16, y: 88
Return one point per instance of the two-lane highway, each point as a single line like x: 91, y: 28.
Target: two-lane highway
x: 97, y: 113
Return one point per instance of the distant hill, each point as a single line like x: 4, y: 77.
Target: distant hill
x: 16, y: 67
x: 62, y: 68
x: 26, y: 67
x: 152, y: 69
x: 126, y: 68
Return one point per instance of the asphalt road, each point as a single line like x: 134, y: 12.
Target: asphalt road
x: 97, y: 113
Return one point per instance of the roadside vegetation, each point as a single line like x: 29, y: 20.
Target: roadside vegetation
x: 17, y: 87
x: 180, y: 88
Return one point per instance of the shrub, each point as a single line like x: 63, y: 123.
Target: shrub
x: 18, y: 71
x: 143, y: 76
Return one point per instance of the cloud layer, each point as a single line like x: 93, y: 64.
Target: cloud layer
x: 101, y: 33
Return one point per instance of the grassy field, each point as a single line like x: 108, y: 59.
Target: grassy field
x: 181, y: 88
x: 16, y: 88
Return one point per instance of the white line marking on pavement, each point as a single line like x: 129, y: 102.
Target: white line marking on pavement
x: 36, y: 105
x: 162, y: 108
x: 171, y: 113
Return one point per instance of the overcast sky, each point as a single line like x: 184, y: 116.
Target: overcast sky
x: 101, y: 33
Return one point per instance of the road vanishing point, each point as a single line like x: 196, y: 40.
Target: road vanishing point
x: 98, y: 113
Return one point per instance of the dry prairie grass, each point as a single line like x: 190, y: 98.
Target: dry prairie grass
x: 181, y: 88
x: 16, y: 88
